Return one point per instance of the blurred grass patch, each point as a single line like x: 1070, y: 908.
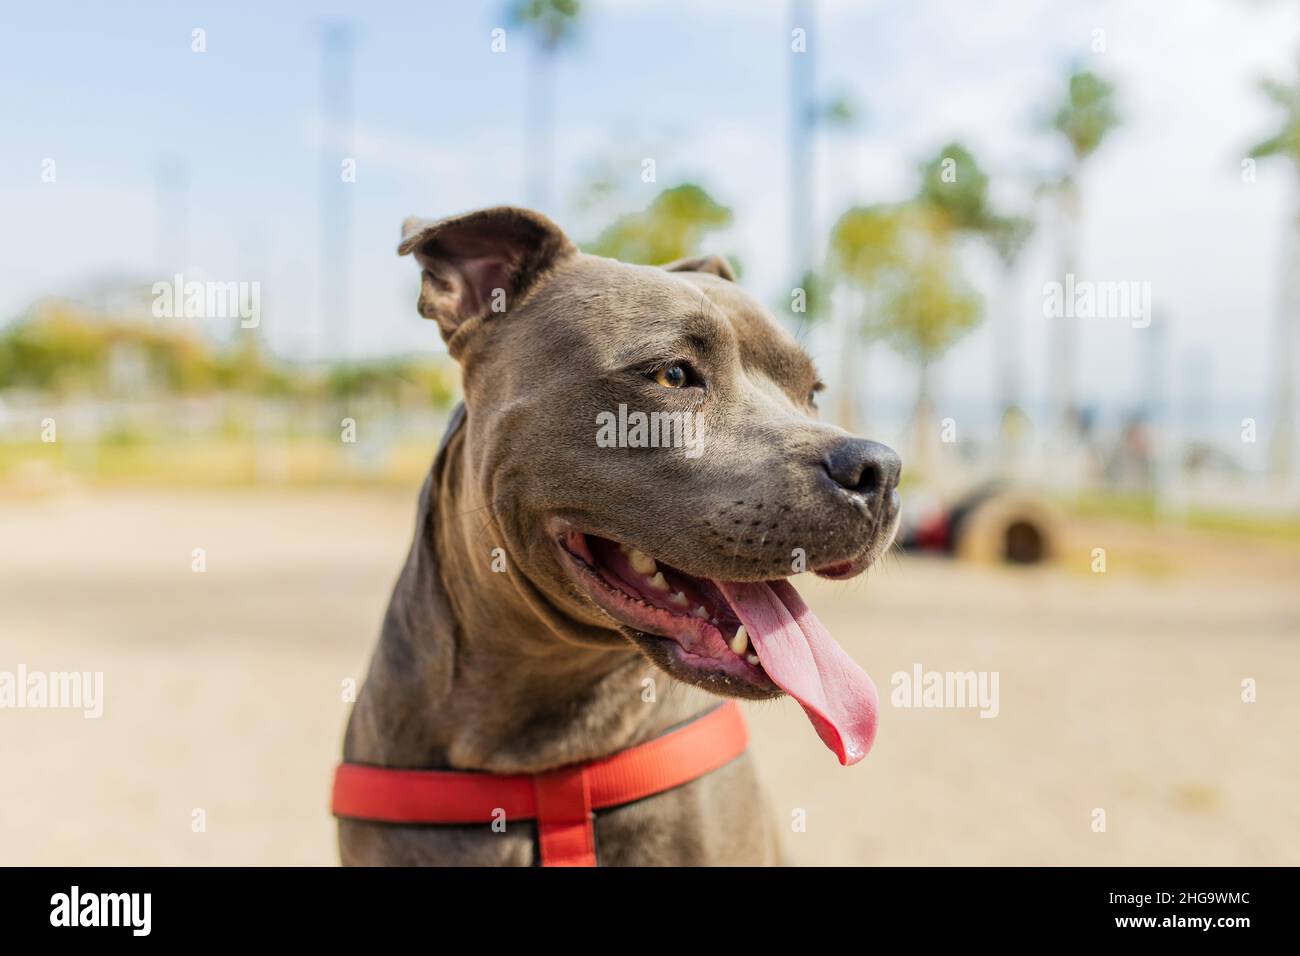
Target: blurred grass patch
x: 1142, y: 509
x: 130, y: 459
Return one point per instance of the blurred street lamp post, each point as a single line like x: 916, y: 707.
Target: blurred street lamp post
x: 335, y: 275
x: 552, y: 24
x: 800, y: 144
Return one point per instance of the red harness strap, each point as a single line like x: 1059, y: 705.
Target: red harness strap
x: 561, y: 801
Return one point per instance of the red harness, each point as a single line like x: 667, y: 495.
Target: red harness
x: 562, y: 801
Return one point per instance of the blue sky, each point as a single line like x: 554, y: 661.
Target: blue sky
x: 109, y: 90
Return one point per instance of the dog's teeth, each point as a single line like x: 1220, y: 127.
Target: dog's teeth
x: 678, y: 598
x: 658, y: 582
x: 700, y: 612
x: 641, y: 562
x: 740, y: 643
x: 753, y: 659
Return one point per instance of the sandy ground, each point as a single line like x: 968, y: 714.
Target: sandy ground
x: 1118, y: 691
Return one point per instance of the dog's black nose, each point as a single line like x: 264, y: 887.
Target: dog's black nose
x: 867, y: 467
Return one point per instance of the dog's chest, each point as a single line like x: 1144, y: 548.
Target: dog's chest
x: 718, y: 820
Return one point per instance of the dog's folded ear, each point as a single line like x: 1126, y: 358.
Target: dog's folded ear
x: 481, y: 262
x: 713, y: 265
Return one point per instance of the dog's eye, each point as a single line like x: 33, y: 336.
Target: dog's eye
x: 672, y: 376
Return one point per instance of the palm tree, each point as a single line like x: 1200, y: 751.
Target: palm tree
x: 915, y: 296
x: 955, y: 189
x: 1009, y: 235
x: 1286, y: 144
x: 552, y: 23
x: 863, y: 244
x: 1083, y: 119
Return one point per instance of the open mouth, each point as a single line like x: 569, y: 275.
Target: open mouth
x: 740, y: 639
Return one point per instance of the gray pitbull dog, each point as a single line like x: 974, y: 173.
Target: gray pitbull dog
x: 567, y: 597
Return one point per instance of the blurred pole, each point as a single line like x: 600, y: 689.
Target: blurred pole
x: 540, y: 161
x: 923, y: 437
x: 1197, y: 399
x: 271, y: 431
x: 336, y: 195
x: 1162, y: 440
x: 171, y: 211
x: 799, y: 145
x: 802, y: 196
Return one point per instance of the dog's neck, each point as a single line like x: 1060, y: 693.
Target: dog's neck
x: 477, y: 670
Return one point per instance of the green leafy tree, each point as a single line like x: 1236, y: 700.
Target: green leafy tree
x: 63, y: 349
x: 671, y: 227
x: 915, y: 296
x: 1087, y: 115
x: 924, y: 304
x: 956, y: 189
x: 864, y: 243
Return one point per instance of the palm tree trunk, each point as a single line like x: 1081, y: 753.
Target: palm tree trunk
x: 1285, y: 335
x: 1006, y: 372
x: 846, y: 400
x: 1064, y: 329
x: 923, y: 435
x: 1006, y: 343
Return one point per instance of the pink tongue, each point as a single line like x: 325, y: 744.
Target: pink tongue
x: 803, y: 659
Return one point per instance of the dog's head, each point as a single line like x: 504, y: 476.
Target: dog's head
x: 648, y: 441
